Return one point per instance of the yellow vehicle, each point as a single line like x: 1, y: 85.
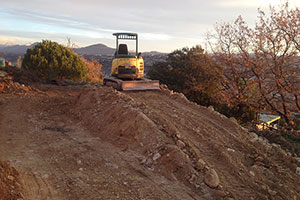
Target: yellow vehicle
x: 127, y: 71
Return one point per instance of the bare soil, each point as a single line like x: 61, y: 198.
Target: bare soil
x: 10, y: 185
x: 93, y: 142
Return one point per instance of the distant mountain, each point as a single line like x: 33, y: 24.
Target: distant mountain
x: 96, y: 49
x: 2, y: 47
x: 16, y: 49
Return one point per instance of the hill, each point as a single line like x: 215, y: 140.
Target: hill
x: 96, y: 49
x: 16, y: 49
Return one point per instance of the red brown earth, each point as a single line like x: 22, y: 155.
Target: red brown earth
x: 10, y: 184
x: 93, y: 142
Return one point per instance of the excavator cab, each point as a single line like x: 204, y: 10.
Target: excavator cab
x: 127, y: 71
x: 127, y: 65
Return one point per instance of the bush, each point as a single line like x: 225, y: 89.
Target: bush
x: 241, y: 111
x: 94, y: 71
x: 192, y: 72
x: 50, y: 61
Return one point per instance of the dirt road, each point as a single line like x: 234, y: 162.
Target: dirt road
x: 87, y: 142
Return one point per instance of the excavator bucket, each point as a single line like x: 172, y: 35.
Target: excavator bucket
x: 131, y: 85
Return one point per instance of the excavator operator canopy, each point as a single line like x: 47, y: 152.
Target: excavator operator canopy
x: 126, y: 36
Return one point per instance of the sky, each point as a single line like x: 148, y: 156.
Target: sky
x: 162, y: 25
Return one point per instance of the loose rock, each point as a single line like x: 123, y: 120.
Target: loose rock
x: 271, y: 192
x: 156, y: 156
x: 298, y: 170
x: 211, y: 108
x: 200, y: 164
x: 212, y: 178
x: 9, y: 177
x: 180, y: 144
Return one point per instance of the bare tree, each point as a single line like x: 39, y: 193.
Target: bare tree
x: 262, y: 66
x: 70, y: 45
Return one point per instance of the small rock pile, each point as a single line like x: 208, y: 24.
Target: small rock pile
x: 7, y: 85
x: 5, y: 79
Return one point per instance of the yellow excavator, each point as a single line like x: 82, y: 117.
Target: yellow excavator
x: 127, y: 70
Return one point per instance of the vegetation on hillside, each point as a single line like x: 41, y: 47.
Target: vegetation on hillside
x: 249, y: 70
x: 50, y: 60
x: 192, y: 72
x: 196, y: 74
x: 262, y: 65
x: 94, y: 71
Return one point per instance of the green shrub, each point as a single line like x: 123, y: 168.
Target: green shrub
x: 50, y: 60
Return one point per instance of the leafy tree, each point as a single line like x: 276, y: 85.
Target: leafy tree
x: 192, y: 72
x: 50, y: 60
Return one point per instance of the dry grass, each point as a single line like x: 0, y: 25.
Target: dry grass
x: 94, y: 75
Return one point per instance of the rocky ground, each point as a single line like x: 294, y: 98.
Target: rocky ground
x: 93, y: 142
x: 10, y: 183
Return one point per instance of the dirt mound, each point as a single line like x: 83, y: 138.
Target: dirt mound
x: 8, y: 85
x: 10, y: 186
x: 210, y: 154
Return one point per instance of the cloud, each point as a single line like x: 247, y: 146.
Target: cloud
x: 7, y: 40
x: 11, y: 40
x: 175, y: 22
x: 254, y: 3
x: 159, y: 17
